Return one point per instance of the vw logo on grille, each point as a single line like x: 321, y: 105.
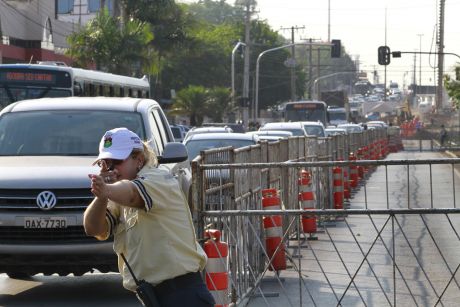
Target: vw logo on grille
x: 46, y: 200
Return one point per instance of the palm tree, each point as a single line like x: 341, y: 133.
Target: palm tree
x: 219, y: 103
x: 191, y: 101
x: 103, y: 43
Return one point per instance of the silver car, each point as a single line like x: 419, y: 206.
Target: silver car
x: 47, y: 147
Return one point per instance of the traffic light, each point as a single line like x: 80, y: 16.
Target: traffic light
x: 384, y: 55
x: 336, y: 48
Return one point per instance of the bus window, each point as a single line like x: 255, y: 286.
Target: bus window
x: 20, y: 81
x: 92, y: 90
x: 77, y: 89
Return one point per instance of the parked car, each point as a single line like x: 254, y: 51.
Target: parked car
x: 211, y: 129
x: 239, y: 128
x: 351, y: 128
x: 276, y: 133
x: 314, y: 128
x: 296, y: 128
x: 377, y: 124
x: 203, y: 141
x: 178, y: 132
x: 335, y: 131
x: 47, y: 148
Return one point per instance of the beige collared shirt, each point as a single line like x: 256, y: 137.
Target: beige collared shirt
x: 158, y: 241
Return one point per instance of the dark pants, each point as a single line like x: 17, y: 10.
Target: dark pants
x: 184, y: 290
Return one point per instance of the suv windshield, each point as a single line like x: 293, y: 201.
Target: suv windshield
x: 74, y: 133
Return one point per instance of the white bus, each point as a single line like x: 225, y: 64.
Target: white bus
x: 28, y: 81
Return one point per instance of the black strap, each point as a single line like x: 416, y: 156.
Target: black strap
x: 130, y: 270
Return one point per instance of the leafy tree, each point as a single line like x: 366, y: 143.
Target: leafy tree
x: 274, y: 75
x: 206, y: 61
x: 170, y: 24
x: 219, y: 103
x: 191, y: 101
x: 453, y: 87
x: 111, y: 48
x: 216, y: 12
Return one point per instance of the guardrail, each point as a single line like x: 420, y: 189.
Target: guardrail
x: 234, y: 206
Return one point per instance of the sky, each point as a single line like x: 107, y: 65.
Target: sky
x: 361, y: 26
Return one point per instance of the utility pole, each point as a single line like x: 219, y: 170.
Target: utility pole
x: 310, y: 68
x: 440, y: 43
x: 318, y: 70
x: 247, y: 40
x: 420, y: 60
x: 292, y: 62
x: 329, y: 20
x: 385, y: 71
x: 414, y: 101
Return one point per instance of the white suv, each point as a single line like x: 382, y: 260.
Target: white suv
x: 47, y: 147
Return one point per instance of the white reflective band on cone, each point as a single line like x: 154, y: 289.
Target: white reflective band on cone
x: 276, y: 207
x: 216, y: 265
x: 274, y: 232
x: 221, y: 297
x: 305, y: 188
x: 308, y: 204
x: 338, y: 188
x: 337, y: 176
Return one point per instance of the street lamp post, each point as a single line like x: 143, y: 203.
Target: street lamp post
x: 233, y: 77
x: 420, y: 60
x: 315, y: 93
x: 256, y: 103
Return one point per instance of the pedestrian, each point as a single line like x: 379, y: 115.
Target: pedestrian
x: 442, y: 135
x: 141, y: 204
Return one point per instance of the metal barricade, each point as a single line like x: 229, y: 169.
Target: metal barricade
x: 401, y: 212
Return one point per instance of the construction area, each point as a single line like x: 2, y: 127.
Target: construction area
x: 381, y: 228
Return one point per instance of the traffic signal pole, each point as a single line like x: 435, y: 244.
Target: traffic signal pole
x: 384, y: 59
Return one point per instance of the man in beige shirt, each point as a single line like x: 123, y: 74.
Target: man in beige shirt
x: 142, y: 206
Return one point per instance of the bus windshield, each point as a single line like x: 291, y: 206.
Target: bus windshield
x: 12, y: 94
x: 305, y: 111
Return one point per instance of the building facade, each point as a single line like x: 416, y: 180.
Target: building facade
x: 36, y: 30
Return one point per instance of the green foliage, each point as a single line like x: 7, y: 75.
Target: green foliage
x: 216, y: 12
x: 205, y: 61
x: 185, y: 45
x: 219, y: 103
x: 453, y: 87
x: 110, y: 48
x: 191, y: 101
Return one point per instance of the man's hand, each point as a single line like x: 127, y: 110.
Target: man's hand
x: 98, y: 187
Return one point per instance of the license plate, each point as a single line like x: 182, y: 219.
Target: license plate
x: 45, y: 222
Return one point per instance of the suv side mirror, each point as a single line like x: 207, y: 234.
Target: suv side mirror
x: 173, y: 153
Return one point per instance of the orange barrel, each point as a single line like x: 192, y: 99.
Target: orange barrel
x: 337, y: 187
x: 360, y: 167
x: 307, y: 201
x: 353, y: 171
x: 346, y: 184
x: 217, y: 267
x: 273, y: 228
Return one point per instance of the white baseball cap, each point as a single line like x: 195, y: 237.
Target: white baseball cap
x: 118, y: 144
